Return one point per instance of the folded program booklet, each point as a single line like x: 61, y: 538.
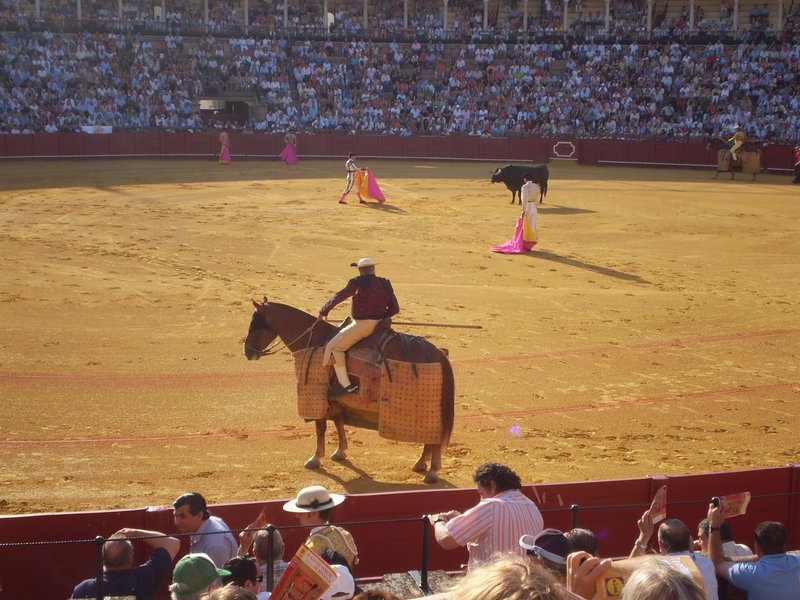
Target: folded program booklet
x: 307, y: 577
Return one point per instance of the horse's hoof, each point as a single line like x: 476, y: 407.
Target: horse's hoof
x: 339, y: 455
x: 431, y: 477
x: 312, y: 463
x: 420, y: 467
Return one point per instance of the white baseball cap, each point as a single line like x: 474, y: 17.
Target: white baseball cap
x: 364, y: 262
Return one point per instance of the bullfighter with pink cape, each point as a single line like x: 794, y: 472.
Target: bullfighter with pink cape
x: 289, y: 153
x: 225, y: 151
x: 368, y: 186
x: 525, y: 234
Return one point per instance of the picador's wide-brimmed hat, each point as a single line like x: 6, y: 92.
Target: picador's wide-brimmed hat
x: 364, y: 262
x: 312, y: 499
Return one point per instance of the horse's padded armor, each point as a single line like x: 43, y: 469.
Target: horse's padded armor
x: 401, y: 399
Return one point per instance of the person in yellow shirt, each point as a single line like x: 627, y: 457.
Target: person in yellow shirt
x: 738, y: 140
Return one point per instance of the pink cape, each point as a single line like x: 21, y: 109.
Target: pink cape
x: 368, y: 186
x: 516, y: 245
x: 289, y: 155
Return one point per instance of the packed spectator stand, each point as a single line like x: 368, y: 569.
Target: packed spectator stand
x: 617, y: 70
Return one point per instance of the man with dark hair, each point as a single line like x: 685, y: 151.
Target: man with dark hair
x: 496, y: 523
x: 730, y: 548
x: 209, y: 535
x: 120, y: 577
x: 582, y: 539
x: 675, y: 539
x: 771, y: 575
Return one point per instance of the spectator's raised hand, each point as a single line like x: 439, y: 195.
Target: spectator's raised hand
x: 583, y: 570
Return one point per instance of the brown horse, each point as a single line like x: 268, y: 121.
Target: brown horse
x: 303, y: 333
x: 750, y: 159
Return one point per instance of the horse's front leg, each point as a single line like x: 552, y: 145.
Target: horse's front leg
x: 313, y: 463
x: 341, y: 450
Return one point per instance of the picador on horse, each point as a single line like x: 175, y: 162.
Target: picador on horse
x: 737, y: 154
x: 404, y: 385
x: 373, y: 301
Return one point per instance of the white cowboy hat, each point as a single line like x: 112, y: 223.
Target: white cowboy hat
x: 312, y: 499
x: 364, y: 262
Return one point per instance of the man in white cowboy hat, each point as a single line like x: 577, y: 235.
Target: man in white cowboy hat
x: 373, y: 300
x: 738, y: 140
x: 312, y: 506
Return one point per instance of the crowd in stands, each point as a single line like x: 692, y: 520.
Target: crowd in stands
x: 666, y: 91
x: 512, y: 556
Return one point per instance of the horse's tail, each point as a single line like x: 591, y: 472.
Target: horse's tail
x: 448, y: 398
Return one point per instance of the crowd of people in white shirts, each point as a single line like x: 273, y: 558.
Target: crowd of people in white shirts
x: 57, y: 82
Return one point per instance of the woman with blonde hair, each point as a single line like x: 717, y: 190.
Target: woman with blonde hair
x: 657, y: 580
x: 508, y: 578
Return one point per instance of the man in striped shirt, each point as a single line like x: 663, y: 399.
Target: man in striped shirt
x: 495, y: 524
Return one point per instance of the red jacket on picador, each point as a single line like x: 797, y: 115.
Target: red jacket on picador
x: 373, y: 298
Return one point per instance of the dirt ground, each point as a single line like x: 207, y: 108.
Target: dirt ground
x: 654, y: 329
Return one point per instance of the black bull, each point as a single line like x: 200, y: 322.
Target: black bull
x: 511, y: 175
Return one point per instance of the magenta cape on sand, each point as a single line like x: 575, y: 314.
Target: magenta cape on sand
x: 289, y: 155
x: 517, y: 244
x: 368, y: 186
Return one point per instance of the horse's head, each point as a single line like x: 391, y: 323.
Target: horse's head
x: 260, y: 335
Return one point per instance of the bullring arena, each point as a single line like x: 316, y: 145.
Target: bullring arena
x: 654, y: 329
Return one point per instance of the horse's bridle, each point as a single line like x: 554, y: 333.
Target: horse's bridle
x: 274, y: 348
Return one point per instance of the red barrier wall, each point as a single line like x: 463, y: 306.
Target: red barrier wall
x: 261, y: 145
x: 62, y: 552
x: 267, y: 145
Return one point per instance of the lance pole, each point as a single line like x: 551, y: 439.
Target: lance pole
x: 451, y: 325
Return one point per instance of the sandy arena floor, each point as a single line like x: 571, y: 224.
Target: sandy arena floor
x: 654, y: 330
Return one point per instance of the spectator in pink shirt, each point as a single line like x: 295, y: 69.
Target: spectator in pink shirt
x: 496, y: 523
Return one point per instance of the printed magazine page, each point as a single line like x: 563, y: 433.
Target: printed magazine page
x: 307, y: 577
x: 658, y: 507
x: 734, y: 505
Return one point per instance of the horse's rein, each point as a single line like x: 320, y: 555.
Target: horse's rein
x: 277, y: 345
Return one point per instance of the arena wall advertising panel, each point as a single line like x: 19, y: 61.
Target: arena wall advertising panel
x: 50, y: 553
